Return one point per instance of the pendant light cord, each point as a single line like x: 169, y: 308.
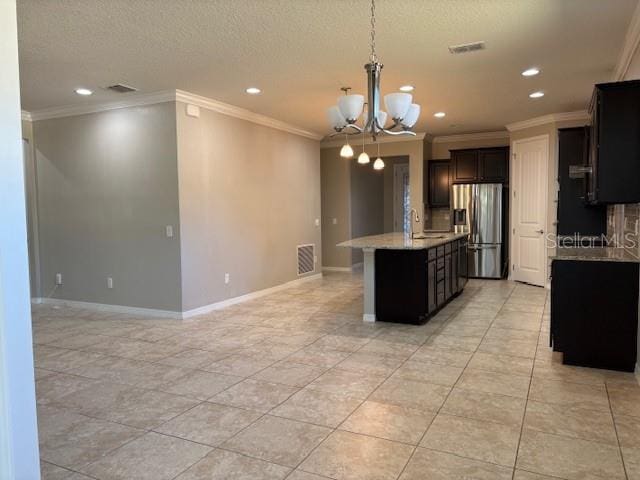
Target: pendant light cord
x: 373, y: 56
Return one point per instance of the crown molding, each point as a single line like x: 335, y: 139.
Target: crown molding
x: 580, y: 115
x: 170, y: 96
x: 467, y: 137
x: 26, y: 116
x: 369, y: 141
x: 242, y: 114
x: 631, y: 42
x: 130, y: 101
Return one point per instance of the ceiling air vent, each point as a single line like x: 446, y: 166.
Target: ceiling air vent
x: 306, y: 260
x: 121, y: 88
x: 467, y: 47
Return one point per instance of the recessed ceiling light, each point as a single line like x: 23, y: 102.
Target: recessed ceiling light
x: 253, y: 91
x: 406, y: 88
x: 536, y: 95
x: 83, y: 91
x: 530, y: 72
x: 439, y: 114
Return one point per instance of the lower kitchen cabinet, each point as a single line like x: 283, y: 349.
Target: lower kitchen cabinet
x: 411, y: 285
x: 594, y: 313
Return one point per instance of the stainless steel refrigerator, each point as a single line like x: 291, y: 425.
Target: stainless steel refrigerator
x: 478, y: 211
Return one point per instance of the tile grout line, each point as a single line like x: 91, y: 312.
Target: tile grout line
x: 526, y: 403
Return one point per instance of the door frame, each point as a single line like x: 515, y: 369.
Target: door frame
x: 397, y: 198
x: 512, y: 210
x: 31, y: 198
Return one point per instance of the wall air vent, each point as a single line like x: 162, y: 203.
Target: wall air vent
x: 306, y: 259
x: 467, y: 47
x: 121, y: 88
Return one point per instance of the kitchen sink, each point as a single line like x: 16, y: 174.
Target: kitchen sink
x: 428, y: 236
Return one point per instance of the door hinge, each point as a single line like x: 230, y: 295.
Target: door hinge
x: 513, y: 267
x: 514, y: 231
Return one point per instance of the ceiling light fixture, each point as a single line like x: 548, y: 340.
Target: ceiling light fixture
x: 379, y: 163
x: 406, y: 88
x: 439, y: 114
x: 363, y: 158
x: 83, y: 91
x: 536, y: 95
x: 253, y: 91
x: 399, y: 106
x: 346, y: 151
x: 530, y: 72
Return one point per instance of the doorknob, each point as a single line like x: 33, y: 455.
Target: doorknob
x: 540, y: 231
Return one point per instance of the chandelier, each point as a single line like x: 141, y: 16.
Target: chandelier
x: 344, y: 116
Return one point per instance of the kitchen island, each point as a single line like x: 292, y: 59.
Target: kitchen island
x: 407, y: 280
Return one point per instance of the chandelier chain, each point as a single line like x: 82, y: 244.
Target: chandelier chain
x: 373, y: 56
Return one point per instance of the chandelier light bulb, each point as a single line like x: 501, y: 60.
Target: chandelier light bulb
x: 346, y: 151
x: 363, y: 158
x: 378, y: 164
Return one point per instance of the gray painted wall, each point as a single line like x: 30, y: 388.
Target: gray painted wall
x: 249, y: 195
x: 107, y: 186
x: 367, y: 204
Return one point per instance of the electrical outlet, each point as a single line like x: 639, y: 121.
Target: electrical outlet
x: 334, y: 221
x: 169, y: 231
x: 109, y: 282
x: 227, y: 278
x: 317, y: 222
x: 58, y: 279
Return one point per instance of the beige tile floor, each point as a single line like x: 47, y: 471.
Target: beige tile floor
x: 293, y: 385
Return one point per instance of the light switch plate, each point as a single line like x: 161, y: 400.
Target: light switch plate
x: 334, y: 221
x: 317, y: 222
x: 169, y: 231
x: 193, y: 111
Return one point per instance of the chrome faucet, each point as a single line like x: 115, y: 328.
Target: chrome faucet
x: 413, y: 214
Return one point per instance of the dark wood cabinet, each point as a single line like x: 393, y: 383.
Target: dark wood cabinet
x: 480, y: 165
x: 465, y: 166
x: 412, y: 285
x: 614, y: 154
x: 439, y: 182
x: 575, y: 216
x: 493, y: 165
x: 594, y: 313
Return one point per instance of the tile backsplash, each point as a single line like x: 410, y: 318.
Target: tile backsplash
x: 623, y: 223
x: 440, y: 219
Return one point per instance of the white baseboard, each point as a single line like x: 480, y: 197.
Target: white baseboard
x: 355, y: 266
x: 249, y: 296
x: 102, y: 307
x: 170, y: 314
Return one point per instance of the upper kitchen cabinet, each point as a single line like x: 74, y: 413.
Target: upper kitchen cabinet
x: 614, y: 153
x: 439, y: 183
x: 480, y: 165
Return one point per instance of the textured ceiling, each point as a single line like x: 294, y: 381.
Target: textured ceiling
x: 300, y: 52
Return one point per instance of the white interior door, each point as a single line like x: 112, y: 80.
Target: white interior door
x: 529, y: 209
x: 401, y: 198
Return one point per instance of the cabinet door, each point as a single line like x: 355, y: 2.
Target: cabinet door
x: 465, y: 165
x: 431, y: 286
x: 447, y: 276
x: 454, y: 270
x: 493, y: 165
x: 439, y: 183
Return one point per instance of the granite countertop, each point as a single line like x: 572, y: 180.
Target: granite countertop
x: 599, y: 254
x: 401, y: 241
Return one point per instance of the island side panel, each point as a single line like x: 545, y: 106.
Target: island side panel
x: 369, y: 314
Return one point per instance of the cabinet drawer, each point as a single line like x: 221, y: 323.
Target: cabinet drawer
x: 441, y: 251
x: 440, y: 275
x: 431, y: 254
x: 440, y: 293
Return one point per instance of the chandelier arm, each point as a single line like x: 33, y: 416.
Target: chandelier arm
x: 358, y: 130
x: 401, y: 132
